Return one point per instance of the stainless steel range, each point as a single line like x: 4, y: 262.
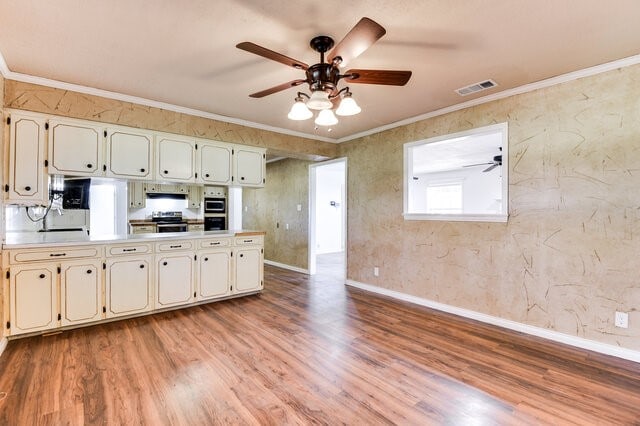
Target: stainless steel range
x: 169, y: 221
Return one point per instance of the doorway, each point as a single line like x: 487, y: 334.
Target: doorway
x: 328, y: 218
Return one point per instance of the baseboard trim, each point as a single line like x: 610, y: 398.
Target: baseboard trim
x: 3, y: 345
x: 555, y: 336
x: 285, y: 266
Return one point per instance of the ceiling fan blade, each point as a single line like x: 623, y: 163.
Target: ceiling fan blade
x: 360, y: 38
x: 488, y: 169
x: 476, y: 165
x: 278, y: 88
x: 270, y: 54
x: 389, y: 78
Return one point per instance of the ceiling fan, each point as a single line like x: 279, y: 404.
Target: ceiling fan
x: 323, y: 77
x: 497, y: 161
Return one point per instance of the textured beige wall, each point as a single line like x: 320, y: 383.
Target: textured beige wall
x: 566, y: 259
x: 287, y: 186
x: 65, y: 103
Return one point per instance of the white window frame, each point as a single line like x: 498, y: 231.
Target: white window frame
x: 503, y: 217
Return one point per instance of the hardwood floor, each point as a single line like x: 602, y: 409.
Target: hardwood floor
x: 309, y: 350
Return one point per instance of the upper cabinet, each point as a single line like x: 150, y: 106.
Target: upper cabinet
x: 249, y: 166
x: 129, y: 154
x: 175, y: 158
x: 215, y: 163
x: 25, y: 177
x: 75, y: 148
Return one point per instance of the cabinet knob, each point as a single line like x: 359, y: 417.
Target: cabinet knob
x: 206, y: 175
x: 241, y: 177
x: 42, y: 276
x: 241, y: 255
x: 142, y: 170
x: 89, y: 166
x: 141, y: 266
x: 164, y: 263
x: 27, y: 188
x: 89, y: 271
x: 166, y: 172
x: 206, y: 259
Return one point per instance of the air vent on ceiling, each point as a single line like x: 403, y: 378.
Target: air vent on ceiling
x: 476, y: 87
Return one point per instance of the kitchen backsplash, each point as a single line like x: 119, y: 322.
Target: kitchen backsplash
x: 165, y: 205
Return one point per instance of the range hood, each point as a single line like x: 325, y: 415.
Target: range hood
x: 166, y: 196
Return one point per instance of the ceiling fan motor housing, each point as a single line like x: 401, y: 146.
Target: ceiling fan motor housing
x: 323, y: 77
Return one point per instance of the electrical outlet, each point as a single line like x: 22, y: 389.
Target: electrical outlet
x: 622, y: 319
x: 376, y: 271
x: 286, y: 226
x: 299, y: 207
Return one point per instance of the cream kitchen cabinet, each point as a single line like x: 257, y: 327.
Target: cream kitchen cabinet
x: 76, y: 148
x: 81, y: 292
x: 33, y: 298
x: 214, y: 273
x: 175, y: 158
x: 136, y: 195
x: 25, y: 177
x: 193, y: 227
x: 249, y: 166
x: 129, y: 154
x: 215, y: 162
x: 174, y: 274
x: 248, y: 253
x: 194, y: 196
x: 129, y: 280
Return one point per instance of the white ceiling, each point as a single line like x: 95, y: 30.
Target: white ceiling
x: 183, y: 52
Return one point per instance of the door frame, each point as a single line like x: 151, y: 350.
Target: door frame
x: 312, y: 213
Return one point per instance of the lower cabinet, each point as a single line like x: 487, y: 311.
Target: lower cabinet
x: 128, y: 285
x: 214, y: 273
x: 249, y: 269
x: 33, y: 295
x: 174, y: 279
x: 81, y: 292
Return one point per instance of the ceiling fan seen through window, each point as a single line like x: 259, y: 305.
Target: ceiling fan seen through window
x: 323, y: 77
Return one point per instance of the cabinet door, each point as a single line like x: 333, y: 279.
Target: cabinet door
x: 128, y: 286
x: 215, y: 163
x: 33, y: 296
x: 195, y: 197
x: 26, y: 178
x: 175, y: 158
x: 75, y: 148
x: 174, y: 280
x: 214, y: 273
x: 81, y: 292
x: 129, y: 154
x: 248, y: 269
x: 249, y: 167
x: 136, y: 195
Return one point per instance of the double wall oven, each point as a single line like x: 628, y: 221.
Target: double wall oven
x: 215, y: 214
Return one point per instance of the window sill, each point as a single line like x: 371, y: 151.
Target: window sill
x: 457, y: 217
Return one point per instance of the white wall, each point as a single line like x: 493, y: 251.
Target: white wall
x: 165, y: 205
x: 329, y: 187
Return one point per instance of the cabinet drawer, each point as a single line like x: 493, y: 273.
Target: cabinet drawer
x: 195, y: 227
x: 128, y: 249
x: 218, y: 242
x: 174, y: 246
x: 143, y: 229
x: 253, y: 240
x: 49, y: 255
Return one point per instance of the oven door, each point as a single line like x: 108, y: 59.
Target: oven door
x: 214, y: 205
x: 215, y: 223
x: 172, y: 227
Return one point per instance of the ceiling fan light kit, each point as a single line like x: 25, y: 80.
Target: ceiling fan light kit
x: 323, y: 77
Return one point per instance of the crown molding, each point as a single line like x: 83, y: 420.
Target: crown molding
x: 564, y: 78
x: 26, y: 78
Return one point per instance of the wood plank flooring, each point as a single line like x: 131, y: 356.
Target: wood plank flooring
x: 309, y: 350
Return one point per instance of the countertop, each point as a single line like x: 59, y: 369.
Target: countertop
x: 135, y: 222
x: 22, y: 240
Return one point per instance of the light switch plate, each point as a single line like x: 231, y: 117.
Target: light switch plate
x: 622, y: 319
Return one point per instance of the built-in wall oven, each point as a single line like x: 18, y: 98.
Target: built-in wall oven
x: 169, y: 222
x: 215, y: 205
x: 215, y: 214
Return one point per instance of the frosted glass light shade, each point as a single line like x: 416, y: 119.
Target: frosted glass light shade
x: 299, y: 111
x: 326, y: 118
x: 348, y: 106
x: 319, y: 100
